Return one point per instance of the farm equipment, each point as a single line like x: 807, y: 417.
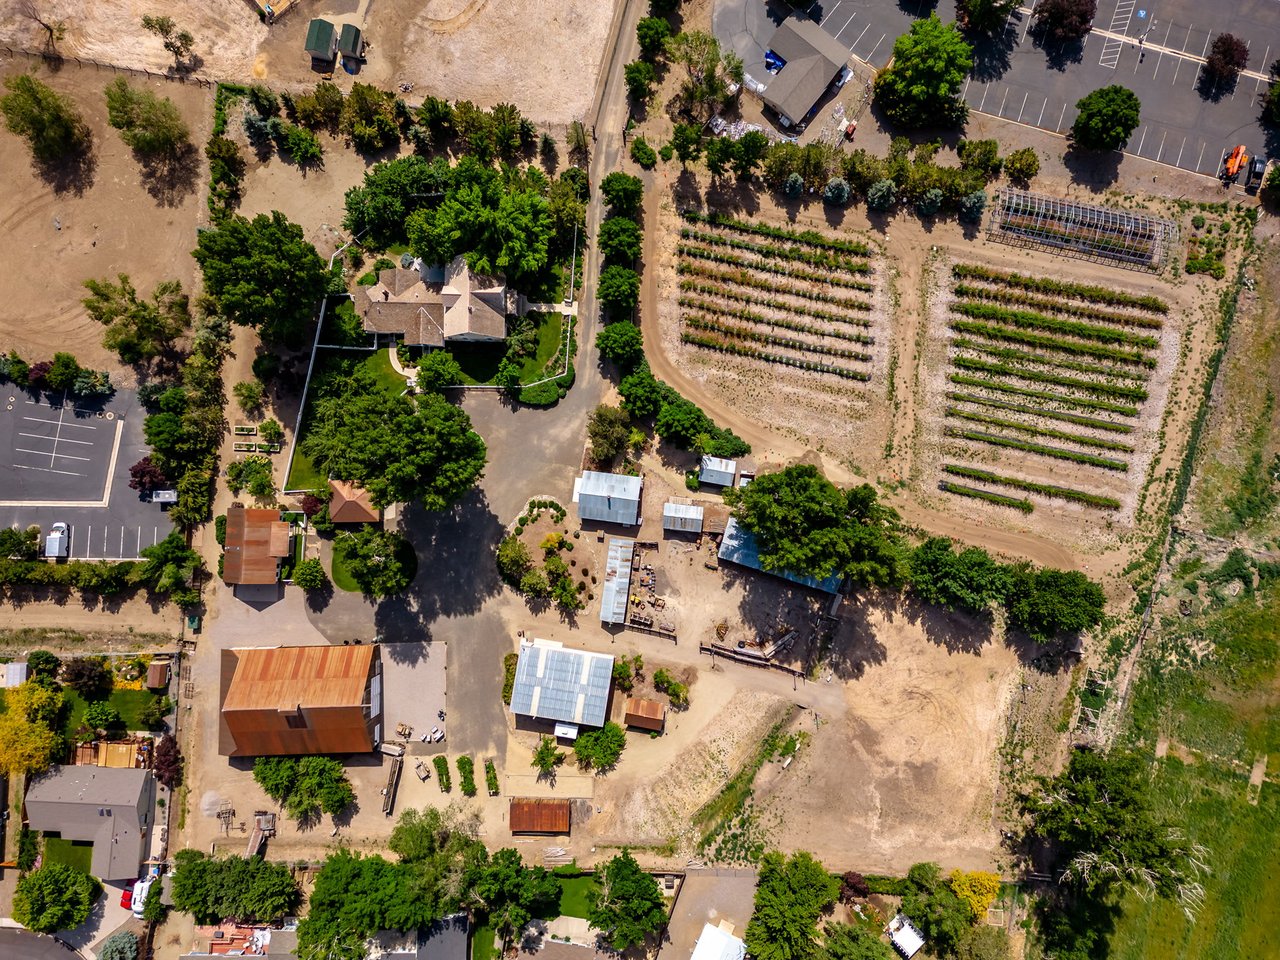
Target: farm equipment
x: 1233, y: 163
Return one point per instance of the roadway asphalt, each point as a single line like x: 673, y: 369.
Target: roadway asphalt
x: 25, y: 945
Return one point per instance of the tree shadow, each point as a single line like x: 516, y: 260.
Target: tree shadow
x: 73, y: 173
x: 1058, y: 54
x: 956, y: 631
x: 1213, y: 88
x: 1093, y: 169
x: 172, y: 177
x: 320, y: 598
x: 854, y: 645
x: 992, y: 55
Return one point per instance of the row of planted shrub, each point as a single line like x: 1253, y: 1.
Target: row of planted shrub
x: 814, y: 258
x: 1044, y: 450
x: 810, y: 237
x: 1030, y: 320
x: 1062, y: 288
x: 1030, y: 486
x: 1072, y: 383
x: 1021, y: 298
x: 999, y: 499
x: 716, y: 256
x: 746, y: 278
x: 695, y: 303
x: 1020, y: 426
x: 1082, y: 403
x: 1046, y: 342
x: 716, y: 326
x: 747, y: 350
x: 758, y: 299
x: 1041, y: 412
x: 1062, y: 363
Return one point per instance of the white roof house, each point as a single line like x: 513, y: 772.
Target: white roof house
x: 718, y: 471
x: 561, y: 684
x: 617, y: 581
x: 716, y: 943
x: 904, y: 936
x: 608, y: 497
x: 682, y: 516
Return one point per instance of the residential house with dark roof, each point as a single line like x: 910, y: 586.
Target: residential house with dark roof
x: 812, y: 59
x: 420, y: 311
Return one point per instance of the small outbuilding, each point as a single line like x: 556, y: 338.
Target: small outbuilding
x: 158, y: 675
x: 906, y: 939
x: 350, y: 503
x: 351, y: 42
x: 527, y: 815
x: 322, y: 41
x: 644, y: 714
x: 608, y: 497
x: 717, y: 471
x: 681, y: 515
x: 717, y: 943
x: 617, y: 581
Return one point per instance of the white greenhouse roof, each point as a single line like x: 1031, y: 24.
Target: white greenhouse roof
x: 556, y: 683
x: 617, y: 581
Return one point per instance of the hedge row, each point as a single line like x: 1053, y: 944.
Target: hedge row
x: 1057, y: 453
x: 715, y: 326
x: 1072, y: 383
x: 998, y: 499
x: 1041, y: 412
x: 810, y: 237
x: 695, y: 303
x: 1047, y: 342
x: 745, y: 278
x: 739, y: 296
x: 1030, y: 486
x: 744, y: 350
x: 1023, y: 427
x: 1062, y: 363
x: 776, y: 251
x: 1084, y: 403
x: 1080, y: 291
x: 1030, y: 320
x: 1005, y: 295
x: 850, y: 283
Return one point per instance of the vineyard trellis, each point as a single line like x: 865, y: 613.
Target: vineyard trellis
x: 1087, y: 231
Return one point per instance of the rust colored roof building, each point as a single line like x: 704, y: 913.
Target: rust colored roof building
x: 286, y: 701
x: 538, y: 816
x: 256, y: 540
x: 349, y: 503
x: 644, y: 714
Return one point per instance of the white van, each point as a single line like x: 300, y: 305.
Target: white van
x: 58, y: 542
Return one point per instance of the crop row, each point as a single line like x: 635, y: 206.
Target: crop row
x: 1062, y: 288
x: 745, y: 278
x: 1072, y: 383
x: 687, y: 250
x: 1038, y: 321
x: 760, y: 300
x: 1030, y: 486
x: 810, y: 237
x: 746, y: 350
x: 1046, y: 342
x: 1075, y: 418
x: 1022, y: 356
x: 1006, y: 295
x: 999, y: 499
x: 1038, y: 448
x: 1082, y: 403
x: 1021, y: 427
x: 729, y: 330
x: 814, y: 258
x: 693, y: 303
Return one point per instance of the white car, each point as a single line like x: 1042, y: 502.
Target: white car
x: 140, y: 890
x: 58, y: 542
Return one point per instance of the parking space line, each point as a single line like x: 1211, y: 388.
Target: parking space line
x: 985, y: 91
x: 1024, y: 104
x: 52, y: 456
x: 1027, y: 26
x: 1178, y: 162
x: 1000, y: 112
x: 1201, y: 157
x: 65, y: 473
x: 45, y: 436
x: 1142, y: 141
x: 860, y: 36
x: 138, y: 548
x: 1042, y: 106
x: 1160, y: 152
x: 1061, y: 117
x: 846, y: 23
x: 78, y: 426
x: 877, y: 46
x: 827, y: 16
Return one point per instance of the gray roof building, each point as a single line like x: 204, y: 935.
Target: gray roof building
x: 555, y: 683
x: 682, y: 516
x: 617, y: 581
x: 739, y: 546
x: 110, y: 807
x: 718, y: 471
x: 812, y: 59
x: 608, y: 497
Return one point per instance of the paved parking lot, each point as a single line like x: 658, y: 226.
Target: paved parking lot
x: 69, y: 463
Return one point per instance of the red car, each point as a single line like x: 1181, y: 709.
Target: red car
x: 126, y: 897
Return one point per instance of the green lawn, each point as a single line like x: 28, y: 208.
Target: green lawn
x: 550, y: 334
x: 573, y: 895
x: 73, y: 853
x: 130, y: 703
x: 340, y: 572
x: 482, y: 945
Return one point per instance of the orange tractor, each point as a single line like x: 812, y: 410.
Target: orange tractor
x: 1233, y: 163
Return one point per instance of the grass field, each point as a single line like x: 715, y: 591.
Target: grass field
x: 482, y: 945
x: 130, y: 703
x: 573, y: 895
x: 73, y: 853
x: 341, y: 572
x: 550, y: 331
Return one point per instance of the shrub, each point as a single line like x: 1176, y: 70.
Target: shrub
x: 168, y: 762
x: 466, y: 776
x: 600, y: 749
x: 643, y: 154
x: 972, y: 206
x: 1106, y: 119
x: 491, y: 778
x: 442, y: 774
x: 1022, y: 165
x: 981, y: 156
x: 882, y: 195
x: 309, y: 575
x: 509, y: 662
x: 836, y: 192
x: 250, y: 395
x: 794, y: 186
x: 930, y: 203
x: 677, y: 692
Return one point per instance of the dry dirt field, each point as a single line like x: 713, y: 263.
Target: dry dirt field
x: 481, y: 50
x: 108, y: 220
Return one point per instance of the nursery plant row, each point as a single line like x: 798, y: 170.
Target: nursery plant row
x: 1041, y: 412
x: 1127, y: 247
x: 1030, y: 320
x: 1019, y: 426
x: 746, y: 350
x: 1046, y: 342
x: 729, y: 330
x: 999, y: 499
x: 695, y: 303
x: 1030, y: 486
x: 745, y: 278
x: 716, y: 256
x: 1082, y: 403
x: 1022, y: 356
x: 1062, y: 288
x: 1026, y: 446
x: 739, y: 296
x: 1071, y: 383
x: 814, y: 258
x: 1021, y: 298
x: 809, y: 237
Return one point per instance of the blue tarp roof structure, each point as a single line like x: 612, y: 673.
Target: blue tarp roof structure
x: 739, y: 546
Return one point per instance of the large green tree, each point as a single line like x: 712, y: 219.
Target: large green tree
x: 151, y: 125
x: 1045, y: 602
x: 1107, y: 118
x: 970, y: 579
x: 233, y: 888
x: 55, y: 897
x: 619, y: 240
x: 930, y: 64
x: 935, y: 909
x: 791, y: 895
x: 391, y: 191
x: 512, y: 894
x: 618, y: 291
x: 49, y: 122
x: 847, y: 941
x: 621, y: 342
x: 263, y: 273
x: 628, y: 906
x: 138, y: 330
x: 353, y: 898
x: 600, y: 749
x: 985, y: 16
x: 382, y: 562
